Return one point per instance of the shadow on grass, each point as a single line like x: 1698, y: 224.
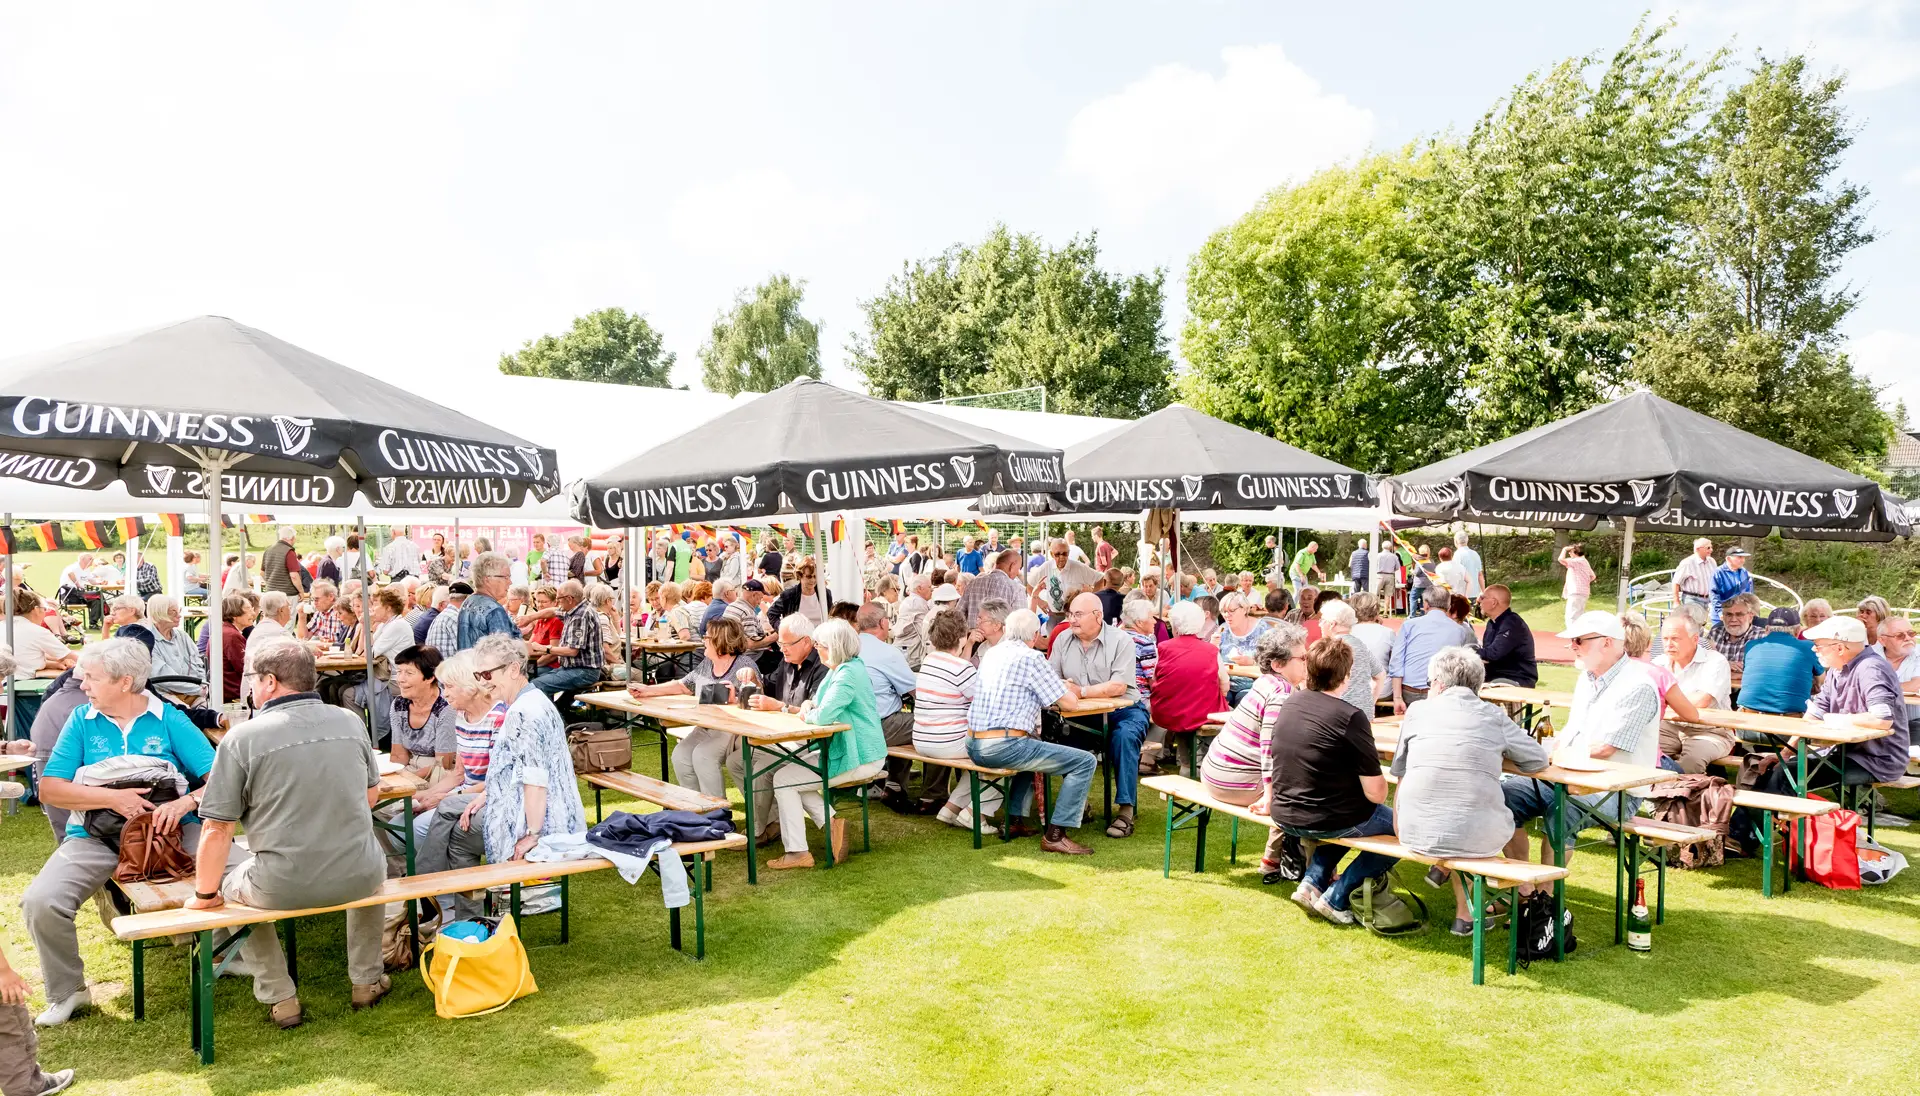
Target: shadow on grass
x: 618, y: 968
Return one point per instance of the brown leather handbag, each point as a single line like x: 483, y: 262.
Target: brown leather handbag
x: 148, y: 856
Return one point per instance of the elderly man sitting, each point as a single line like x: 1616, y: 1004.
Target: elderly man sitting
x: 322, y: 625
x: 893, y: 682
x: 302, y: 778
x: 1735, y: 630
x: 785, y: 688
x: 579, y: 655
x: 1098, y: 657
x: 1703, y: 674
x: 175, y: 654
x: 1860, y: 688
x: 1003, y: 732
x: 1615, y: 716
x: 120, y: 719
x: 1419, y: 640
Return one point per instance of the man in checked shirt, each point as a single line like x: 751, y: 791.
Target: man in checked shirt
x: 1615, y: 716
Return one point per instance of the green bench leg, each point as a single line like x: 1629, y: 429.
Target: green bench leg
x: 139, y: 980
x: 1200, y: 841
x: 1233, y: 840
x: 1513, y: 930
x: 1166, y: 866
x: 203, y: 997
x: 598, y: 814
x: 1660, y: 903
x: 673, y: 928
x: 1479, y: 931
x: 1766, y: 854
x: 866, y: 833
x: 513, y: 904
x: 566, y: 934
x: 700, y: 911
x: 973, y: 789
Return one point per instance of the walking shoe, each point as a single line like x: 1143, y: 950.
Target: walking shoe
x: 791, y: 860
x: 1437, y: 877
x: 58, y: 1082
x: 1306, y: 894
x: 1022, y: 827
x: 1325, y: 909
x: 1461, y: 927
x: 62, y: 1011
x: 769, y: 837
x: 960, y: 819
x: 367, y: 996
x: 1056, y: 840
x: 287, y: 1013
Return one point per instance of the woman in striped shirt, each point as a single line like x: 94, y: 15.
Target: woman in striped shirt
x: 941, y: 696
x: 1239, y: 766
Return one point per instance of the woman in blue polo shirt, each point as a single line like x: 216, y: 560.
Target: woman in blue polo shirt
x: 119, y: 719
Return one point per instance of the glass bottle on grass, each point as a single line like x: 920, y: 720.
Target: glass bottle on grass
x: 1639, y: 924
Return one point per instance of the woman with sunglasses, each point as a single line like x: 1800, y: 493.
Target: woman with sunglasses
x: 530, y: 790
x: 699, y: 760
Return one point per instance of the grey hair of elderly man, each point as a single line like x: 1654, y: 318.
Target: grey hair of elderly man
x: 1021, y: 625
x: 794, y: 627
x: 276, y: 606
x: 1456, y: 666
x: 491, y: 565
x: 1438, y: 598
x: 1692, y: 617
x: 923, y: 584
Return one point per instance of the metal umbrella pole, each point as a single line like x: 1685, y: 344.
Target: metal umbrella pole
x: 11, y: 720
x: 1626, y: 565
x: 626, y: 600
x: 366, y: 620
x: 214, y: 468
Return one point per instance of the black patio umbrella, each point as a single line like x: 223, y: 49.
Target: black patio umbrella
x: 1643, y: 460
x: 1181, y: 460
x: 808, y: 447
x: 211, y: 409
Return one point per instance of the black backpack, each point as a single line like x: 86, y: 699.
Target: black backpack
x: 1534, y: 922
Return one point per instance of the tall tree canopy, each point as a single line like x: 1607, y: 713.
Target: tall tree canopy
x: 608, y: 345
x: 762, y: 342
x: 1010, y: 312
x: 1758, y: 341
x: 1612, y: 221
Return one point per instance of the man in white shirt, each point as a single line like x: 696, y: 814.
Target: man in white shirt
x: 401, y: 556
x: 1470, y: 565
x: 1706, y: 677
x: 1693, y: 578
x: 1074, y: 551
x: 1384, y: 572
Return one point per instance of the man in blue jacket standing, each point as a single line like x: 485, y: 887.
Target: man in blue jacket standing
x: 1731, y: 580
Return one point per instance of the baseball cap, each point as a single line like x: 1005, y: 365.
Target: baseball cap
x: 1786, y: 616
x: 461, y: 587
x: 1595, y: 622
x: 755, y: 585
x: 1846, y: 629
x: 1736, y: 550
x: 945, y: 592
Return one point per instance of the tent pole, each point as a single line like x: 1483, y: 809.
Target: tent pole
x: 8, y: 735
x: 366, y: 620
x: 216, y: 669
x: 820, y: 557
x: 1626, y: 564
x: 460, y: 556
x: 626, y: 599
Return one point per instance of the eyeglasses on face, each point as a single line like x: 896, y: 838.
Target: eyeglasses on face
x: 487, y: 675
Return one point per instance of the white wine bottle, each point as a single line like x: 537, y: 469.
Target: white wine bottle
x: 1639, y: 925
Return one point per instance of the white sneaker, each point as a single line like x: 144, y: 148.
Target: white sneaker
x: 1306, y: 894
x: 58, y: 1082
x: 959, y: 819
x: 63, y: 1011
x: 1326, y: 910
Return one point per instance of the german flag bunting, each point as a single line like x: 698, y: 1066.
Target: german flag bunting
x: 260, y: 519
x: 47, y: 536
x: 876, y: 523
x: 228, y: 521
x: 175, y: 524
x: 6, y: 540
x: 839, y: 530
x: 91, y: 534
x: 780, y: 529
x: 132, y: 528
x: 953, y: 523
x: 677, y: 530
x: 984, y: 527
x: 806, y: 529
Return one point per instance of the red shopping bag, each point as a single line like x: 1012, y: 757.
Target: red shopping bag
x: 1833, y: 853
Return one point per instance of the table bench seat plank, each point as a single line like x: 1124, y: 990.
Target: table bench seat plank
x: 1783, y: 804
x: 1655, y: 832
x: 656, y: 791
x: 908, y: 753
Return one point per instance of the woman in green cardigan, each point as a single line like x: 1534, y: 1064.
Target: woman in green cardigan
x: 854, y: 756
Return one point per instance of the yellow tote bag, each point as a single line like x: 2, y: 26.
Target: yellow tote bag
x: 473, y: 979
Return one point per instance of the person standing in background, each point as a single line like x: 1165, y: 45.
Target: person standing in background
x: 1693, y: 578
x: 1730, y: 580
x: 1471, y: 564
x: 1103, y: 552
x: 1579, y: 582
x: 1359, y: 569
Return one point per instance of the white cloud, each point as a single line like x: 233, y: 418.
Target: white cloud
x: 1226, y: 139
x: 1891, y: 358
x: 1877, y: 42
x: 760, y: 212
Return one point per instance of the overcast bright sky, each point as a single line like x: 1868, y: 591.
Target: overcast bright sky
x: 413, y: 188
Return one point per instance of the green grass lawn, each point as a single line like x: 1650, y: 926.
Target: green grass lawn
x: 927, y: 967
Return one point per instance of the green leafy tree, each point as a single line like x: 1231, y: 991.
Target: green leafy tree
x: 1756, y: 342
x: 762, y: 342
x: 1301, y: 321
x: 1010, y: 312
x: 608, y: 345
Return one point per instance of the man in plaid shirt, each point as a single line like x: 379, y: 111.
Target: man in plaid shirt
x: 1735, y: 630
x: 1003, y: 732
x: 324, y: 624
x: 1615, y: 717
x: 579, y: 655
x: 556, y: 563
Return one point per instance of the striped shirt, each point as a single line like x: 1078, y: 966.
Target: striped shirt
x: 1239, y: 760
x: 1146, y: 656
x: 1695, y: 576
x: 942, y: 694
x: 473, y: 743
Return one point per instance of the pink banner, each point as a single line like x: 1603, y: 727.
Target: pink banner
x: 514, y: 540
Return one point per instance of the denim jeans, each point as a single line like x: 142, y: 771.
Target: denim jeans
x: 1237, y: 690
x: 1126, y: 733
x: 1030, y: 755
x: 1327, y: 857
x: 555, y: 682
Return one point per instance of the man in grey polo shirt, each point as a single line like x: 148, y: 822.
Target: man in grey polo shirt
x: 302, y: 778
x: 1098, y: 657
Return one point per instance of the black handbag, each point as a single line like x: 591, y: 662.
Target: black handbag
x: 105, y: 823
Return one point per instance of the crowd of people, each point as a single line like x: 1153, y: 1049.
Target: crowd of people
x: 1263, y: 687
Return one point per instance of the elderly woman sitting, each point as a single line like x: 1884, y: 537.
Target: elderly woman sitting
x: 419, y: 719
x: 1238, y: 638
x: 700, y: 758
x: 1368, y: 676
x: 1189, y: 681
x: 854, y: 756
x: 122, y: 611
x: 1452, y: 749
x: 530, y: 791
x: 1239, y: 767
